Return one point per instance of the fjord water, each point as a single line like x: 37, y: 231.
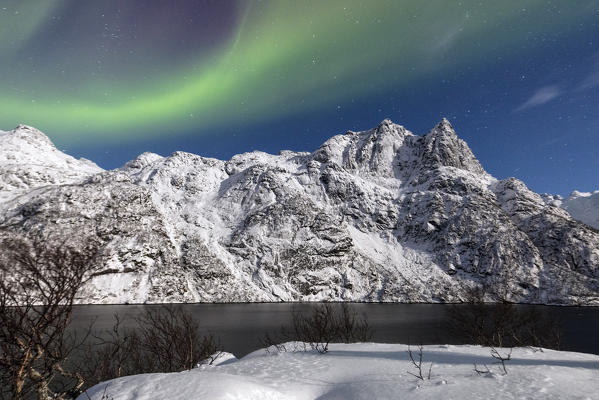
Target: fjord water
x: 240, y: 326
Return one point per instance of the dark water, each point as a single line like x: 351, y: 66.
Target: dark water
x: 241, y: 326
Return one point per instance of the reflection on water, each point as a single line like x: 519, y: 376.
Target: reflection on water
x: 241, y: 326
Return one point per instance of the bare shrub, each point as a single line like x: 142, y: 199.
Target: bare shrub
x: 351, y: 327
x: 38, y: 284
x: 269, y: 341
x: 172, y: 339
x: 482, y: 371
x: 325, y: 324
x: 501, y: 358
x: 108, y: 356
x: 164, y: 339
x: 503, y: 325
x: 418, y: 364
x: 318, y: 329
x: 39, y: 359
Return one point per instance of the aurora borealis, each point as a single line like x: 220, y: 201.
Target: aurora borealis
x: 110, y: 79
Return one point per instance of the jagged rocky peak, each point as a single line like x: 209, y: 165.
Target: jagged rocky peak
x: 443, y: 148
x: 390, y: 150
x: 374, y: 151
x: 388, y: 130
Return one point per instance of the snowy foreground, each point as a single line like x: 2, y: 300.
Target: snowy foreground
x: 371, y: 371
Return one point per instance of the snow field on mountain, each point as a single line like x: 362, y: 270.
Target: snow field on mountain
x: 584, y: 207
x: 370, y: 371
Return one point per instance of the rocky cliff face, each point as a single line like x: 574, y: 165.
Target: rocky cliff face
x: 380, y: 215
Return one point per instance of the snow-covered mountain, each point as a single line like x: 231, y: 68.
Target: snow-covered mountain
x: 581, y: 206
x: 28, y: 159
x: 379, y: 215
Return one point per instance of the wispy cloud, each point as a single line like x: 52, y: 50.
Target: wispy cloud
x: 592, y: 79
x: 541, y: 96
x: 447, y: 40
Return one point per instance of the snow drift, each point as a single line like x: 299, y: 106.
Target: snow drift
x: 371, y: 371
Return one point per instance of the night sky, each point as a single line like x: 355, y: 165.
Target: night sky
x: 108, y: 80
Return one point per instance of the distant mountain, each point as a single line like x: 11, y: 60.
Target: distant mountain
x: 379, y: 215
x: 581, y: 206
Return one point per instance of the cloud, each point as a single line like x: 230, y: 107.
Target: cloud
x: 541, y: 96
x: 448, y: 39
x: 592, y: 79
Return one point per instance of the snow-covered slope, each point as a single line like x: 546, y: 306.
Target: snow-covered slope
x: 367, y: 371
x: 582, y: 206
x: 379, y: 215
x: 28, y: 159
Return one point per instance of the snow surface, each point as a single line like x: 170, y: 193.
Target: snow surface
x: 371, y: 371
x: 583, y: 207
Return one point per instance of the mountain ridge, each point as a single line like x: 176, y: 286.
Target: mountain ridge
x: 378, y: 215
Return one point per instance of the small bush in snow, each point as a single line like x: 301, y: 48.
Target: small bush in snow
x: 417, y: 363
x: 501, y: 358
x: 325, y: 324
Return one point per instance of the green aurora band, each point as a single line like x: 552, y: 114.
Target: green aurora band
x: 282, y: 58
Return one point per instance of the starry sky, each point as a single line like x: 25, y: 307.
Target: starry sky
x: 110, y: 79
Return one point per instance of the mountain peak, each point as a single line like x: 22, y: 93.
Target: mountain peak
x: 387, y: 125
x: 444, y: 127
x: 25, y: 127
x: 442, y: 147
x: 29, y: 159
x: 386, y: 122
x: 30, y: 135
